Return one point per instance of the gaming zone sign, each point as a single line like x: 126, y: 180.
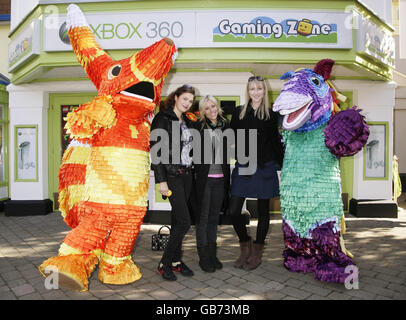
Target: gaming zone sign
x: 221, y: 28
x: 296, y: 29
x: 269, y: 30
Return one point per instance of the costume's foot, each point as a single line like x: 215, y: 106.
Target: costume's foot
x: 334, y: 260
x: 330, y: 272
x: 123, y: 273
x: 298, y: 263
x: 73, y: 270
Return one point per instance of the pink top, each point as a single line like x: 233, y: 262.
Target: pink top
x: 219, y: 175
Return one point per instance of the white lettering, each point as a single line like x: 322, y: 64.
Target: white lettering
x: 325, y: 29
x: 52, y: 21
x: 249, y: 28
x: 277, y: 30
x: 316, y: 29
x: 235, y: 28
x: 292, y: 27
x: 51, y: 281
x: 351, y: 282
x: 267, y: 28
x: 224, y: 26
x: 169, y: 310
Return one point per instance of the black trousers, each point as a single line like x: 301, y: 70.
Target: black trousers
x: 238, y: 220
x: 180, y: 186
x: 208, y: 220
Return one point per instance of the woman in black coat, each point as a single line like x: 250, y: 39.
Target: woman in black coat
x: 171, y: 145
x: 212, y: 172
x: 260, y: 125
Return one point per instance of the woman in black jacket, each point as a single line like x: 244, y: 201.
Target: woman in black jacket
x: 172, y: 164
x: 255, y: 119
x: 212, y: 181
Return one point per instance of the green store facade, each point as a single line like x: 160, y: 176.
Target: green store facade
x: 220, y: 44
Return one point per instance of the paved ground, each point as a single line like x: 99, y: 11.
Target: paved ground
x: 378, y: 245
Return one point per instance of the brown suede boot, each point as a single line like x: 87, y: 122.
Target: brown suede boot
x: 245, y: 253
x: 254, y: 260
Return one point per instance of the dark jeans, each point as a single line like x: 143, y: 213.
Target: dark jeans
x: 238, y: 220
x: 180, y: 218
x: 206, y: 226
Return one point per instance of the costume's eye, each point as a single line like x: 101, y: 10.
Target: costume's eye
x: 114, y: 71
x: 316, y: 81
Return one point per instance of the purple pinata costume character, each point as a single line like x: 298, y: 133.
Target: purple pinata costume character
x: 310, y: 190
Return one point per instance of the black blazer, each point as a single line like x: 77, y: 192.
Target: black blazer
x: 269, y: 145
x: 163, y: 120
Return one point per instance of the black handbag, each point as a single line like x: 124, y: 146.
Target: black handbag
x: 159, y: 241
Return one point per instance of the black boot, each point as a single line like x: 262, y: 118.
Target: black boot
x: 213, y: 256
x: 205, y: 262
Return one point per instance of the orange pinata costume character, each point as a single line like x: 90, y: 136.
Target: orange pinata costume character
x: 104, y: 176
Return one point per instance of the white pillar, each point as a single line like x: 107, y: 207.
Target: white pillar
x: 29, y: 108
x: 377, y: 100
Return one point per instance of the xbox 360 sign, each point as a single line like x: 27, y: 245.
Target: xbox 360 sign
x: 210, y: 29
x: 111, y: 31
x: 63, y: 33
x: 123, y: 30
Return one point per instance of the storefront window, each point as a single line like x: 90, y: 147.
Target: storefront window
x: 65, y: 139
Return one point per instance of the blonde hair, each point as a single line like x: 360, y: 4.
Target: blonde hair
x: 263, y: 111
x: 202, y: 106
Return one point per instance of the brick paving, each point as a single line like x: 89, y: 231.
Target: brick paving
x: 377, y: 244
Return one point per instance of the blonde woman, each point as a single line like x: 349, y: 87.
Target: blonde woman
x: 212, y: 182
x: 256, y: 119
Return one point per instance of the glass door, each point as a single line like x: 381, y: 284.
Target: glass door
x: 60, y: 106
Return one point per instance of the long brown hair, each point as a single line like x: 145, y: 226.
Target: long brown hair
x: 263, y: 110
x: 170, y: 99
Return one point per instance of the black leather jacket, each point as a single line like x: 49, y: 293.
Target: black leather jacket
x: 163, y: 120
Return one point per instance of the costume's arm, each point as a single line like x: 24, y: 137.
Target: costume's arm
x: 89, y: 118
x: 346, y: 133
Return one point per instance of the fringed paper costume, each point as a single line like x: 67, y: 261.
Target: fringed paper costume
x: 316, y: 134
x: 104, y: 176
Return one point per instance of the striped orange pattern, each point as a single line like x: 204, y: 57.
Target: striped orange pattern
x: 104, y: 175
